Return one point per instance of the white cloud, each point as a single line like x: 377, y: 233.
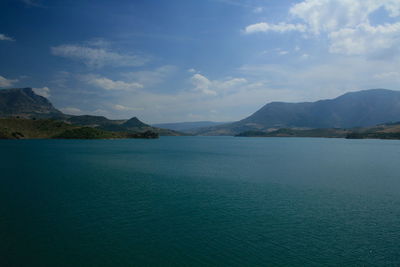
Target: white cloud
x: 44, y: 91
x: 305, y: 56
x: 71, y: 111
x: 192, y: 70
x: 365, y: 39
x: 214, y: 87
x: 6, y: 82
x: 4, y: 37
x: 281, y: 27
x: 125, y: 108
x: 330, y: 15
x: 202, y: 84
x: 258, y: 9
x: 109, y: 84
x: 97, y: 56
x: 151, y: 77
x: 346, y: 24
x: 391, y: 75
x: 229, y: 83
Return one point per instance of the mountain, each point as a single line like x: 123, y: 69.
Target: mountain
x: 187, y: 127
x: 356, y: 109
x: 25, y: 103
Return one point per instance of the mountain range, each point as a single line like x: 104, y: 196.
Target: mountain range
x: 356, y: 109
x: 25, y: 103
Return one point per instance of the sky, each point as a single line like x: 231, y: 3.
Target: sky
x: 195, y: 60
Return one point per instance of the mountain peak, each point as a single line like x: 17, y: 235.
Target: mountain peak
x: 25, y: 103
x: 134, y: 122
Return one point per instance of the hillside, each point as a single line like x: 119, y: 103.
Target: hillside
x: 383, y: 131
x: 20, y: 128
x: 24, y: 102
x: 356, y: 109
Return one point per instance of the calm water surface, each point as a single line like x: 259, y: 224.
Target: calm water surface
x: 200, y: 201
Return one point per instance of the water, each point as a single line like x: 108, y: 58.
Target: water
x: 195, y: 201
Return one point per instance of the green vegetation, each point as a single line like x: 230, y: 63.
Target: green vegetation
x: 20, y: 128
x: 86, y: 133
x: 383, y: 131
x: 288, y: 132
x: 374, y: 135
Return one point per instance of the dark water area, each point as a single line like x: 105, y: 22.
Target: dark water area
x: 200, y: 201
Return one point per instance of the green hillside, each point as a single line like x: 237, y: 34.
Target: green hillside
x: 383, y: 131
x: 21, y: 128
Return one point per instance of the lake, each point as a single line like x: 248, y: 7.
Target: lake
x: 200, y: 201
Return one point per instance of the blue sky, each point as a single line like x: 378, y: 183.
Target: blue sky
x: 191, y: 60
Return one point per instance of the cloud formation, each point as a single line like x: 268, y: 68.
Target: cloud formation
x: 125, y: 108
x: 151, y: 77
x: 97, y: 56
x: 214, y: 87
x: 346, y: 24
x: 44, y: 91
x: 4, y: 37
x: 281, y: 27
x: 71, y: 111
x: 109, y: 84
x: 4, y: 82
x: 202, y: 84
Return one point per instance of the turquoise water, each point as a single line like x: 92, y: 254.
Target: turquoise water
x: 200, y: 201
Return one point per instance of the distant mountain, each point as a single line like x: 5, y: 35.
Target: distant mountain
x: 187, y: 127
x: 25, y: 103
x: 355, y: 109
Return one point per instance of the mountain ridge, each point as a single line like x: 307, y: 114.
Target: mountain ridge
x: 353, y: 109
x: 24, y: 102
